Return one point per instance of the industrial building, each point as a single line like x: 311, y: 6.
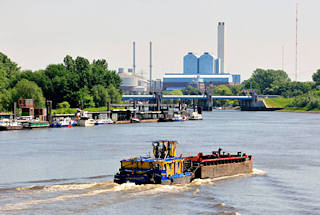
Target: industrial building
x: 132, y: 82
x: 202, y: 71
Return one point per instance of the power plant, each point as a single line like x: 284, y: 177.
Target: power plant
x: 204, y: 70
x: 198, y: 71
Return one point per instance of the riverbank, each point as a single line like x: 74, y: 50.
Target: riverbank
x: 281, y: 102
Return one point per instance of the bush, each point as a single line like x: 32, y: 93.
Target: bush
x: 64, y: 104
x: 314, y: 103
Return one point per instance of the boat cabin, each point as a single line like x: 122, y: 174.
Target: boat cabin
x: 163, y: 166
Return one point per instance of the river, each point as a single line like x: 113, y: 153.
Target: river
x: 70, y: 170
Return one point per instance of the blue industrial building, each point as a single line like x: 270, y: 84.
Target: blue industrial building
x: 190, y: 64
x: 202, y: 71
x: 205, y: 62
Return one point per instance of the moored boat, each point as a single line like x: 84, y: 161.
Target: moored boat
x: 64, y: 122
x: 7, y: 124
x: 103, y: 121
x: 177, y: 117
x: 35, y: 124
x: 166, y: 168
x: 86, y: 122
x: 195, y: 116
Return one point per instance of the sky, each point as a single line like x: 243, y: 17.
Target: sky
x: 36, y: 33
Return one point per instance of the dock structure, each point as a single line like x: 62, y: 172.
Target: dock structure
x: 205, y: 101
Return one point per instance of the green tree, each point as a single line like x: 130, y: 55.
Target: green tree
x: 316, y: 77
x: 3, y: 79
x: 64, y: 104
x: 222, y: 90
x: 73, y: 81
x: 189, y: 90
x: 9, y: 67
x: 268, y: 78
x: 86, y: 100
x: 114, y: 94
x: 100, y: 96
x: 28, y: 90
x: 6, y: 100
x: 236, y: 89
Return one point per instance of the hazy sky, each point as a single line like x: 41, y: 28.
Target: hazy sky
x: 35, y: 33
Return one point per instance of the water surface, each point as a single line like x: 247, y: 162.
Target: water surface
x: 70, y: 170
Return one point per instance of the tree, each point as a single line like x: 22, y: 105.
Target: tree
x: 8, y: 66
x: 3, y: 79
x: 5, y: 100
x: 86, y: 100
x: 222, y: 90
x: 189, y: 90
x: 266, y: 78
x: 316, y: 77
x: 100, y: 96
x: 64, y: 104
x: 114, y: 94
x: 73, y: 81
x: 84, y: 71
x: 28, y: 90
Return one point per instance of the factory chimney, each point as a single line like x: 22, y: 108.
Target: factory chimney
x: 221, y: 45
x: 134, y: 57
x: 150, y: 67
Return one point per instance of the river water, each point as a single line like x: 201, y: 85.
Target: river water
x: 70, y: 170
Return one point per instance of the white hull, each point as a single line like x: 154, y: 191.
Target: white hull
x: 86, y: 122
x: 103, y: 122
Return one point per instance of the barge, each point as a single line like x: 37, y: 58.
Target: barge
x: 167, y: 168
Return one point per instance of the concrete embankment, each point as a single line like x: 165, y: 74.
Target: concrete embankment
x: 256, y: 105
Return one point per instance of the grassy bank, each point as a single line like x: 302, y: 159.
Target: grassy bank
x: 278, y: 102
x: 281, y: 102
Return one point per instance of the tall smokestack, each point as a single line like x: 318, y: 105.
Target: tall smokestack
x: 221, y: 45
x: 150, y: 66
x: 134, y: 57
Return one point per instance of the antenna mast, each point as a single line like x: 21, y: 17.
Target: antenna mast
x: 296, y: 60
x: 282, y: 61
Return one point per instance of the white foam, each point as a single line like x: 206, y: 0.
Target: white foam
x: 199, y: 181
x: 258, y: 172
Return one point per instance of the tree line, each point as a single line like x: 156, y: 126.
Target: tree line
x: 75, y: 81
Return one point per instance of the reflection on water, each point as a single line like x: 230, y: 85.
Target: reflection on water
x: 70, y: 171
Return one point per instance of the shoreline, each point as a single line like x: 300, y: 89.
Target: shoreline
x: 299, y: 111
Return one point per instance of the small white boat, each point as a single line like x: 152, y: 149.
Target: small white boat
x: 86, y: 122
x: 7, y: 124
x: 65, y: 122
x: 103, y: 121
x: 177, y: 117
x: 195, y: 116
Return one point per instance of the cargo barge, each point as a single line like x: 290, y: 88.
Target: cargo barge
x: 166, y: 168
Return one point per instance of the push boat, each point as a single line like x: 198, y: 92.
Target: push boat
x: 163, y: 168
x: 166, y: 168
